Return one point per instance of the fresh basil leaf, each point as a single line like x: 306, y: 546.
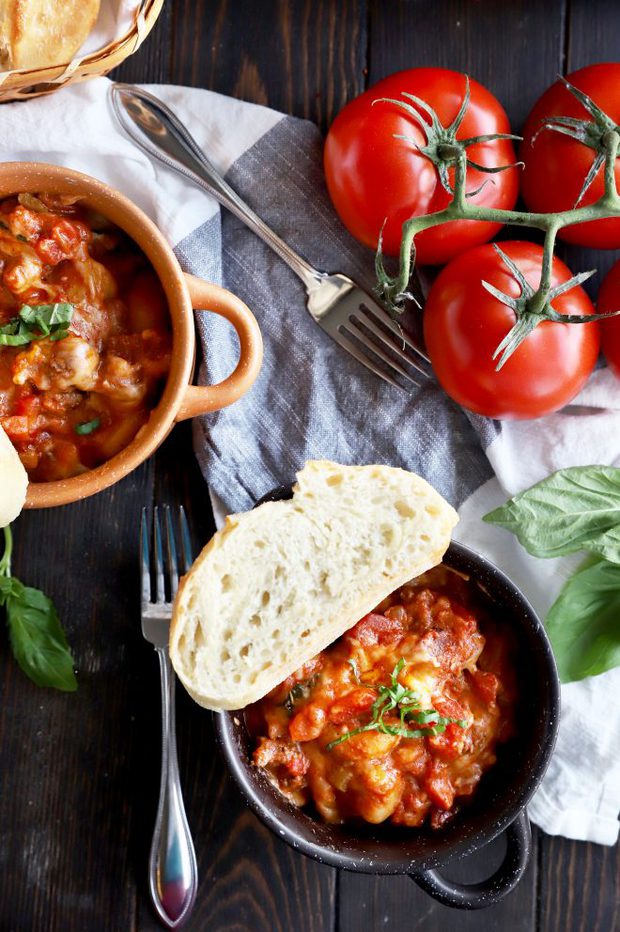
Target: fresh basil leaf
x: 573, y: 509
x: 15, y: 333
x: 37, y: 638
x: 47, y: 317
x: 583, y: 624
x: 35, y: 322
x: 87, y: 427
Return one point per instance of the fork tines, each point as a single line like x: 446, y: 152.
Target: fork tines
x: 153, y: 564
x: 369, y: 333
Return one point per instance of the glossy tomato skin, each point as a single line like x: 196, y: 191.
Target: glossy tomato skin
x: 463, y: 324
x: 556, y: 166
x: 372, y: 176
x: 609, y: 300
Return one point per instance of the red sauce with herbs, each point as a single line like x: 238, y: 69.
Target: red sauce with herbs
x: 433, y: 644
x: 73, y: 398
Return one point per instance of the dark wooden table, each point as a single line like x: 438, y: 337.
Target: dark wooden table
x: 79, y: 773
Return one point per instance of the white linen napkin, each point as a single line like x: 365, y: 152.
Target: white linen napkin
x: 243, y: 455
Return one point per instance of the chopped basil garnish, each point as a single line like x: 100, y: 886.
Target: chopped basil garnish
x: 88, y: 426
x: 36, y: 321
x: 397, y: 698
x: 299, y: 691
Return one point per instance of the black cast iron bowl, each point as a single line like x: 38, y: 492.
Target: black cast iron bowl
x: 498, y: 804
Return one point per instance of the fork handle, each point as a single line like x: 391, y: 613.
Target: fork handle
x: 173, y: 874
x: 207, y: 177
x: 170, y: 141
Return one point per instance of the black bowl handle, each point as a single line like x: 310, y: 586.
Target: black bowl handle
x: 487, y: 892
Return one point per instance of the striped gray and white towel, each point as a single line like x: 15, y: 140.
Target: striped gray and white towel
x: 313, y: 400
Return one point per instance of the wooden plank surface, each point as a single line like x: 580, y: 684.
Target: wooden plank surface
x: 66, y: 817
x: 306, y: 57
x: 78, y: 775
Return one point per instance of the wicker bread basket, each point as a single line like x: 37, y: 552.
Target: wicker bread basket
x: 20, y: 85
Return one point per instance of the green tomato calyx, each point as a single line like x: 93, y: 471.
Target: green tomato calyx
x: 442, y: 146
x: 533, y: 306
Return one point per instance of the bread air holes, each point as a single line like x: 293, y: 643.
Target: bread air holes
x: 387, y: 534
x: 266, y: 596
x: 227, y: 583
x: 227, y: 634
x: 225, y: 656
x: 334, y: 480
x: 305, y: 634
x: 254, y: 676
x: 245, y: 650
x: 405, y: 510
x: 256, y: 621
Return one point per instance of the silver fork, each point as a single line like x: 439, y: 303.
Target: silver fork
x: 173, y: 874
x: 344, y: 310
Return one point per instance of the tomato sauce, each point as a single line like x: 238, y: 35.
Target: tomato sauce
x: 73, y: 398
x: 433, y: 644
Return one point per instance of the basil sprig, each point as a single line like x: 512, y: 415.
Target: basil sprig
x: 576, y: 509
x: 36, y: 321
x: 584, y: 622
x: 37, y: 638
x: 406, y: 702
x: 573, y: 509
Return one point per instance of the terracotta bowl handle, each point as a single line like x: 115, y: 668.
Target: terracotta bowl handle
x: 200, y: 399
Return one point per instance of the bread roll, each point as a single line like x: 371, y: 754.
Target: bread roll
x: 13, y: 481
x: 278, y: 584
x: 42, y: 33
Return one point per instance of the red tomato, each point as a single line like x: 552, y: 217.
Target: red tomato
x: 352, y: 705
x: 438, y: 785
x: 449, y: 745
x: 486, y: 685
x: 609, y: 300
x: 376, y: 629
x: 556, y: 166
x: 463, y: 325
x: 372, y: 176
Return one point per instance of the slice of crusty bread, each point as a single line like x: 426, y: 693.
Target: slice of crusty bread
x: 13, y: 481
x: 278, y: 584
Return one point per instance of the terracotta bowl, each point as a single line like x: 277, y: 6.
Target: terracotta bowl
x: 180, y: 399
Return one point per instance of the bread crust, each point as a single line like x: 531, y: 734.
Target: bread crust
x: 199, y: 618
x: 43, y: 33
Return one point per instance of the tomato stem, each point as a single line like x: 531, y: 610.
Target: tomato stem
x: 600, y: 134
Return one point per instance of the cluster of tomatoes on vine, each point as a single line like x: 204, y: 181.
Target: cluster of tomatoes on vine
x: 379, y: 175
